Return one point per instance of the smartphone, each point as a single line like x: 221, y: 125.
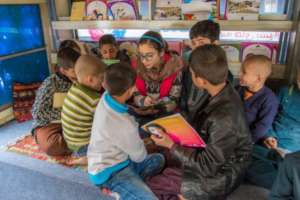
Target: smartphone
x: 154, y: 130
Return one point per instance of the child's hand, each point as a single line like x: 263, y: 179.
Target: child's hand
x: 163, y: 140
x: 149, y: 101
x: 144, y: 112
x: 271, y: 143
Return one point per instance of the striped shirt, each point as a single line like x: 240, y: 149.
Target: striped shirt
x: 77, y: 115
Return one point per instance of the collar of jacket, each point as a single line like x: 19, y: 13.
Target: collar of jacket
x: 113, y: 104
x: 63, y: 77
x: 223, y: 94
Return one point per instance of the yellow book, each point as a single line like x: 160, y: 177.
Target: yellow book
x: 58, y: 99
x: 78, y: 11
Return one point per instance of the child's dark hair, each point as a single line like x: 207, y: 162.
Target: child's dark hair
x: 206, y: 28
x: 209, y: 62
x: 69, y: 43
x: 67, y: 57
x: 119, y: 78
x: 107, y: 39
x: 153, y: 38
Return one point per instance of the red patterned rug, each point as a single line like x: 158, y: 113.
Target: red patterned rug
x: 27, y: 146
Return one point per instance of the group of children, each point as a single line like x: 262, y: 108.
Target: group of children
x: 97, y: 121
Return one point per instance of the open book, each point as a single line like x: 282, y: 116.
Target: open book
x: 179, y: 130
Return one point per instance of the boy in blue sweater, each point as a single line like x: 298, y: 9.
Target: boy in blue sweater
x: 260, y: 102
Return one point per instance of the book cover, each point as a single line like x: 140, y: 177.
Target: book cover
x: 167, y: 10
x: 77, y: 11
x: 200, y: 10
x: 145, y: 9
x: 232, y: 52
x: 58, y: 99
x: 110, y: 61
x: 257, y: 48
x: 179, y: 130
x: 96, y: 9
x: 123, y: 9
x: 242, y: 9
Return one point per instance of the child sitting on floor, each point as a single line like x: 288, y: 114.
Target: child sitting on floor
x: 109, y: 49
x: 80, y: 104
x: 47, y: 128
x: 117, y: 158
x: 260, y: 102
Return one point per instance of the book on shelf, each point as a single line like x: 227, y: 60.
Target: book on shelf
x: 96, y: 10
x: 167, y: 10
x: 232, y: 52
x: 123, y: 9
x: 260, y: 48
x: 178, y: 129
x: 145, y: 9
x: 242, y: 9
x: 200, y: 10
x: 77, y: 11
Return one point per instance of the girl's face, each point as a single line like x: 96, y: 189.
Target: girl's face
x: 149, y: 56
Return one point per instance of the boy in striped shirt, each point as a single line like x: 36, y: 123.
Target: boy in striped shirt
x: 79, y: 106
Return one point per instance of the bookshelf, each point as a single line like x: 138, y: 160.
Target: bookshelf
x: 275, y: 26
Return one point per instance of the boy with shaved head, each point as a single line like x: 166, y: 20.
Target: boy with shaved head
x: 80, y: 104
x: 260, y: 102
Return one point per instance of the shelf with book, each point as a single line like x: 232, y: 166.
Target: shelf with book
x: 226, y: 25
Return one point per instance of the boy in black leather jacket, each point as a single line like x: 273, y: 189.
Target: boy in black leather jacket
x: 216, y: 170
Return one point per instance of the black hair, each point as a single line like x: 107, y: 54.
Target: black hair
x: 107, y: 39
x: 119, y: 78
x: 209, y: 62
x: 67, y: 57
x: 206, y: 28
x: 69, y: 43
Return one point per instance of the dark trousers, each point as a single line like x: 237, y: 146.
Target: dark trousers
x: 50, y: 140
x: 287, y: 183
x: 264, y: 167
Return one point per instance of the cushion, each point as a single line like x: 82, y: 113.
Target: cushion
x: 23, y: 98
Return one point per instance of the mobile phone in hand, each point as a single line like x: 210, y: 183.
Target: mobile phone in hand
x: 154, y: 130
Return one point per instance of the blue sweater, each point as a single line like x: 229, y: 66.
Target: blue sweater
x: 286, y: 126
x: 260, y: 109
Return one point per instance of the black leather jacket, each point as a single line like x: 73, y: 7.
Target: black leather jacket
x: 215, y: 171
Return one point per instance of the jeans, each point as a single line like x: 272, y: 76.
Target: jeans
x: 81, y: 152
x: 129, y: 182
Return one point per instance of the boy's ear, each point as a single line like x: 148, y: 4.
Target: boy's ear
x: 216, y: 42
x: 89, y: 78
x: 104, y: 85
x: 200, y: 82
x: 62, y: 70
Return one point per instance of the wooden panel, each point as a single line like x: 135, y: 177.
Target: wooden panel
x: 280, y: 26
x: 47, y: 32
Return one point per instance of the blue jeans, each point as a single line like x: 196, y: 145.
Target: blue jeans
x: 129, y: 182
x: 81, y: 152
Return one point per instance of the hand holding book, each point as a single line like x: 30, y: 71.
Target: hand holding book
x: 173, y: 129
x: 160, y: 137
